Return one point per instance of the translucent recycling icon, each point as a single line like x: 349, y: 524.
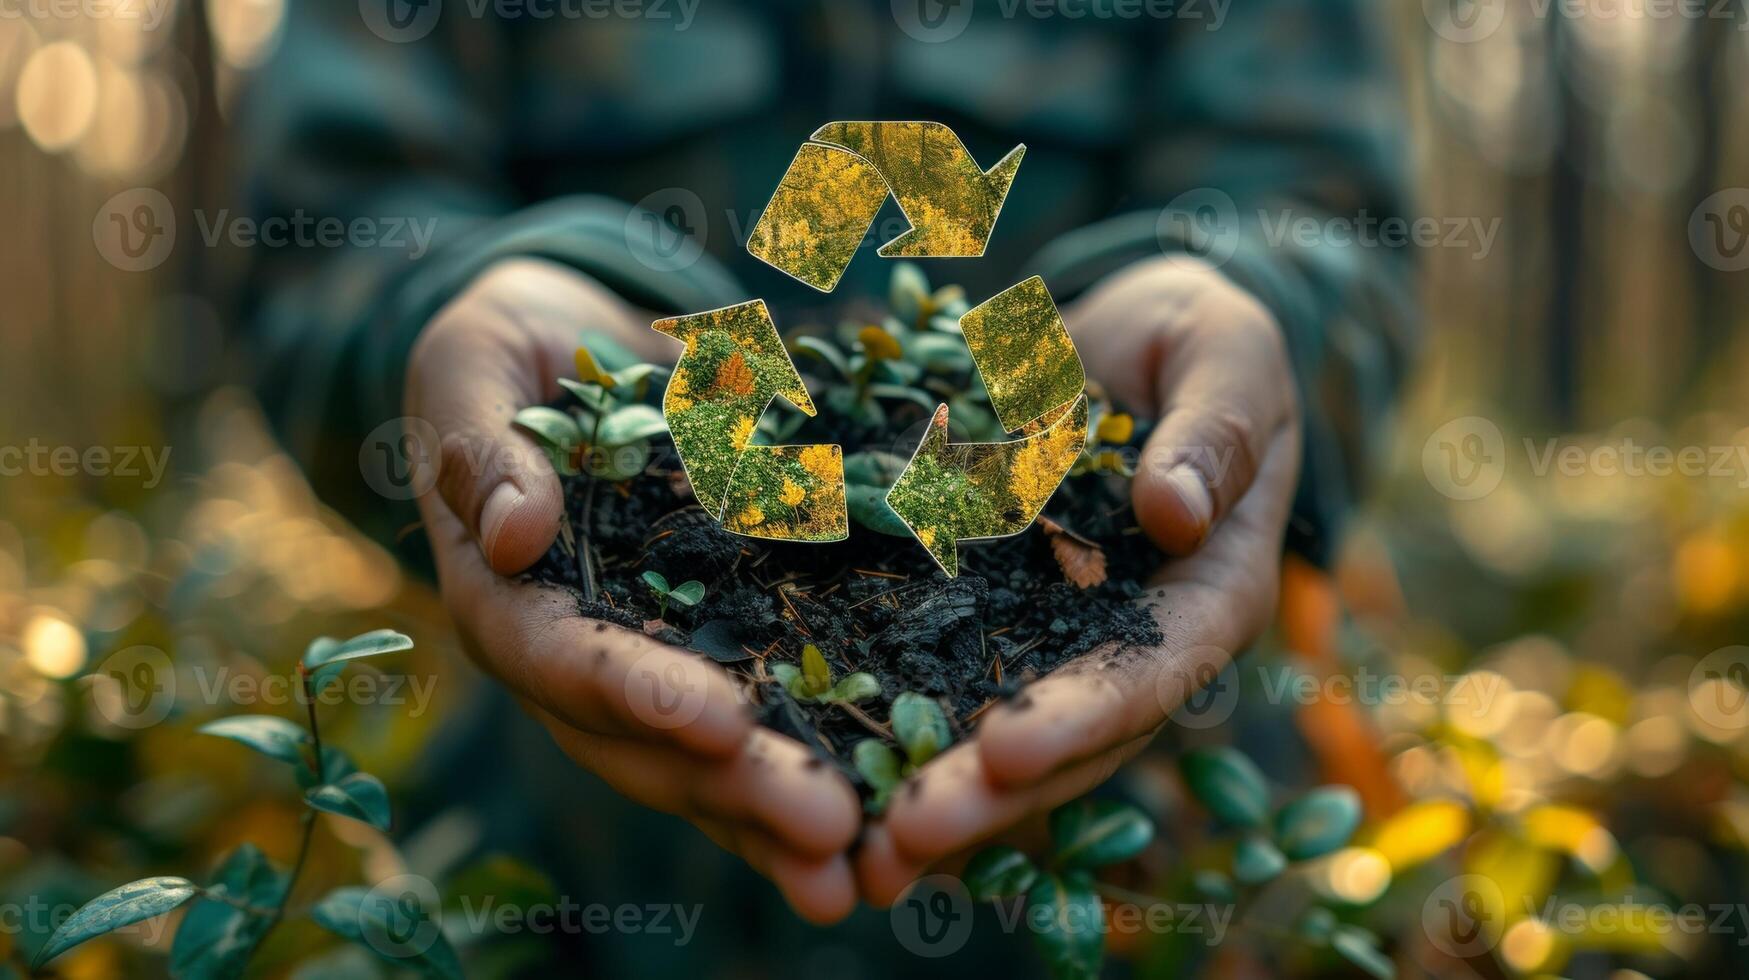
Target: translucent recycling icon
x: 735, y: 363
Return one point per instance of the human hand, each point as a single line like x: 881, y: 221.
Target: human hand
x: 660, y: 725
x: 1214, y: 488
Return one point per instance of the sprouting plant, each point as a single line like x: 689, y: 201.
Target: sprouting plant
x: 1312, y: 825
x: 685, y: 594
x: 811, y: 683
x: 1062, y: 900
x: 611, y: 421
x: 1063, y: 907
x: 248, y: 895
x: 611, y: 407
x: 1110, y: 434
x: 920, y: 728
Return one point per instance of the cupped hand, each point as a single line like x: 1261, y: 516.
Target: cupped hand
x: 659, y: 725
x: 1213, y: 488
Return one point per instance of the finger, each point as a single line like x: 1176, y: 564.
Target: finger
x: 1208, y: 607
x: 883, y: 874
x: 773, y: 783
x: 593, y: 675
x: 1218, y: 417
x: 952, y: 804
x: 821, y: 891
x: 469, y: 381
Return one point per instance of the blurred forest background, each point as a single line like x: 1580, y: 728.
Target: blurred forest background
x: 1600, y: 314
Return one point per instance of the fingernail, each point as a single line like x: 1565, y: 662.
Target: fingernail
x: 1191, y: 491
x: 499, y: 506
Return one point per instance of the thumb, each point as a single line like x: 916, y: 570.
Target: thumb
x: 503, y: 488
x: 469, y: 383
x: 1196, y: 465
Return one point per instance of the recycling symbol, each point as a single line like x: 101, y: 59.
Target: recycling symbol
x: 735, y: 362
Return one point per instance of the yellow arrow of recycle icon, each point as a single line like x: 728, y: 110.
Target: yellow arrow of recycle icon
x: 735, y: 363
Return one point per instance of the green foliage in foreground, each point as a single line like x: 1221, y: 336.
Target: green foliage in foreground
x: 233, y: 913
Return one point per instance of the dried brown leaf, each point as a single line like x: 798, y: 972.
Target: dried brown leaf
x: 1082, y: 561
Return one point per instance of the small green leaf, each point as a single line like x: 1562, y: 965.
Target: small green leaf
x: 999, y: 872
x: 360, y: 796
x: 552, y: 428
x: 1091, y: 833
x: 372, y: 644
x: 907, y: 291
x: 1212, y: 884
x: 633, y: 423
x: 372, y: 921
x: 215, y: 937
x: 868, y: 508
x: 1256, y: 860
x: 816, y: 674
x: 336, y: 765
x: 616, y: 464
x: 124, y: 906
x: 1317, y: 925
x: 788, y: 675
x: 1317, y: 823
x: 597, y: 400
x: 657, y: 582
x: 687, y: 593
x: 939, y: 353
x: 824, y: 350
x: 633, y: 382
x: 856, y: 687
x: 1361, y: 948
x: 269, y: 735
x: 1068, y: 925
x: 920, y: 727
x: 879, y: 765
x: 905, y: 393
x: 1229, y: 784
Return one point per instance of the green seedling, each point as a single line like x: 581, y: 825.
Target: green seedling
x: 920, y: 728
x: 686, y: 594
x: 811, y: 683
x: 230, y: 916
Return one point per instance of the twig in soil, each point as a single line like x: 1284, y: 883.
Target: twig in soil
x: 585, y: 542
x: 980, y: 709
x: 802, y: 622
x: 874, y: 574
x: 882, y: 595
x: 867, y: 722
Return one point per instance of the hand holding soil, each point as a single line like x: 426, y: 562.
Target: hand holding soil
x: 497, y: 509
x: 1174, y: 339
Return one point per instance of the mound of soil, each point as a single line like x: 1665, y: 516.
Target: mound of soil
x: 872, y: 603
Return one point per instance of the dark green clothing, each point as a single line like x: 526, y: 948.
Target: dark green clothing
x: 525, y: 137
x: 493, y: 128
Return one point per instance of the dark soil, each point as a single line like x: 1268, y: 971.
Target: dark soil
x: 872, y: 603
